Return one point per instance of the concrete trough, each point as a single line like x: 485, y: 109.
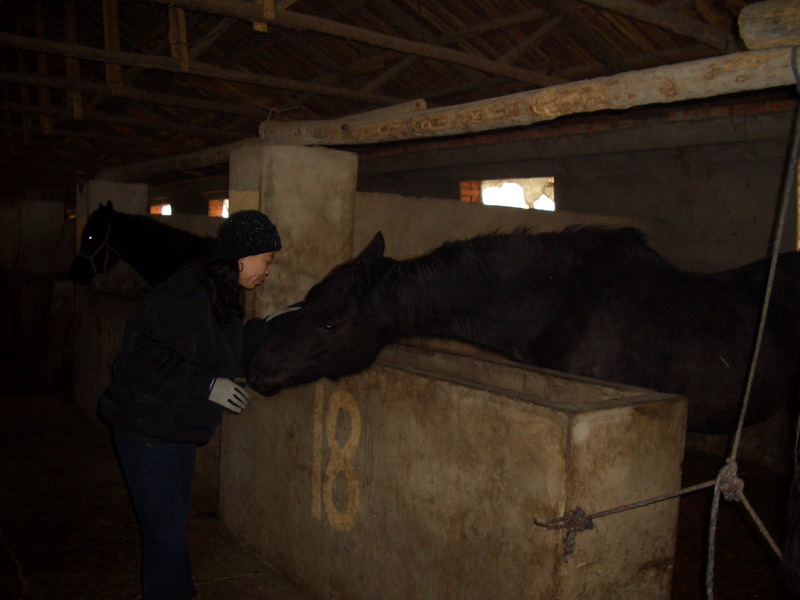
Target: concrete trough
x: 422, y: 477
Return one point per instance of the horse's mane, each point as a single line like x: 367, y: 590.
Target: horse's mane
x: 465, y: 269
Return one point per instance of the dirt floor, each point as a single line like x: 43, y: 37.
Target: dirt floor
x: 67, y: 531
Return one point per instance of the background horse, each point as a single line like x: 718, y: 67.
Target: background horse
x: 588, y: 301
x: 153, y: 249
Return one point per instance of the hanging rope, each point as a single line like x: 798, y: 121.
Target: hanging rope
x: 728, y: 473
x: 727, y: 484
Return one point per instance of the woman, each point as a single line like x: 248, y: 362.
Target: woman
x: 172, y: 379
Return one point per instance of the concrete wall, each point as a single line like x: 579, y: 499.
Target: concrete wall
x: 414, y: 226
x: 712, y: 182
x: 35, y: 297
x: 421, y: 478
x: 423, y: 452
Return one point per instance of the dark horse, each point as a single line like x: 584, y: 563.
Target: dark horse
x: 589, y: 301
x: 153, y: 249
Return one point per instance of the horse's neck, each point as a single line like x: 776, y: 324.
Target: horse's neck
x: 423, y: 298
x: 133, y: 238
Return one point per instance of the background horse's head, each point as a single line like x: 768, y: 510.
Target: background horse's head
x: 334, y: 334
x: 95, y: 255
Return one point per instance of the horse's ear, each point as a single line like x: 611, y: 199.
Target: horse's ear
x: 375, y: 248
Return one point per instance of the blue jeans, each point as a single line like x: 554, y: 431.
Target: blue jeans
x: 159, y: 477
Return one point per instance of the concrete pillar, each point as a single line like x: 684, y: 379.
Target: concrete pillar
x: 309, y: 193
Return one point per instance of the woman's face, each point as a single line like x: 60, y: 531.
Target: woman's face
x: 253, y: 270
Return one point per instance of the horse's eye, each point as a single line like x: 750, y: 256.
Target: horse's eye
x: 329, y: 325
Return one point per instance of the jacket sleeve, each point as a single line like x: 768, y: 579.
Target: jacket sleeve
x: 167, y: 352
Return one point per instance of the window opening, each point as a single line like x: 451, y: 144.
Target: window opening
x: 537, y: 193
x: 161, y: 209
x: 219, y: 208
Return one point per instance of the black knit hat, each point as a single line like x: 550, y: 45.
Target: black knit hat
x: 246, y: 233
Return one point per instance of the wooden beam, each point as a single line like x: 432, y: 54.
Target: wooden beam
x: 134, y: 122
x: 41, y: 67
x: 249, y: 11
x: 211, y: 37
x: 76, y: 86
x: 163, y: 63
x: 668, y: 20
x: 112, y: 44
x: 770, y: 24
x: 745, y: 71
x: 178, y: 48
x: 73, y: 66
x: 171, y: 164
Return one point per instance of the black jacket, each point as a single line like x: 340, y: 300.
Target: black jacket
x: 172, y: 350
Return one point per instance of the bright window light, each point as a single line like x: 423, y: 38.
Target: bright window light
x: 544, y: 203
x: 161, y: 209
x: 529, y: 192
x: 508, y: 194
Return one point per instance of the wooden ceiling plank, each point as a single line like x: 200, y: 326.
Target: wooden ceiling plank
x: 147, y: 61
x: 670, y: 21
x: 24, y: 97
x: 295, y: 20
x: 132, y: 122
x: 532, y: 40
x: 41, y: 66
x: 134, y: 94
x: 408, y: 61
x: 112, y: 44
x: 199, y: 48
x: 72, y: 65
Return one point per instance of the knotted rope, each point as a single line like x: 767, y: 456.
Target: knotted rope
x: 727, y: 485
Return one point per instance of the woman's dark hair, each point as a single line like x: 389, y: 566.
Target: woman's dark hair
x: 221, y: 276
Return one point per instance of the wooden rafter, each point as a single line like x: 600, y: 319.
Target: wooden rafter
x: 41, y: 67
x: 76, y: 86
x: 178, y: 48
x: 283, y: 18
x: 162, y: 63
x: 73, y: 67
x: 669, y: 21
x: 112, y: 44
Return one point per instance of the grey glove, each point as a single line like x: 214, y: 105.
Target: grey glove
x: 228, y: 394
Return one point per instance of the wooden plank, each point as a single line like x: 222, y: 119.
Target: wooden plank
x: 178, y: 48
x: 76, y: 86
x: 73, y: 67
x: 182, y: 162
x: 24, y: 96
x: 45, y: 121
x: 745, y: 71
x: 667, y: 20
x: 134, y: 122
x: 294, y: 20
x: 112, y: 43
x: 770, y: 24
x: 149, y: 61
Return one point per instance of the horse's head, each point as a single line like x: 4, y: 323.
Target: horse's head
x: 334, y: 334
x: 95, y: 256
